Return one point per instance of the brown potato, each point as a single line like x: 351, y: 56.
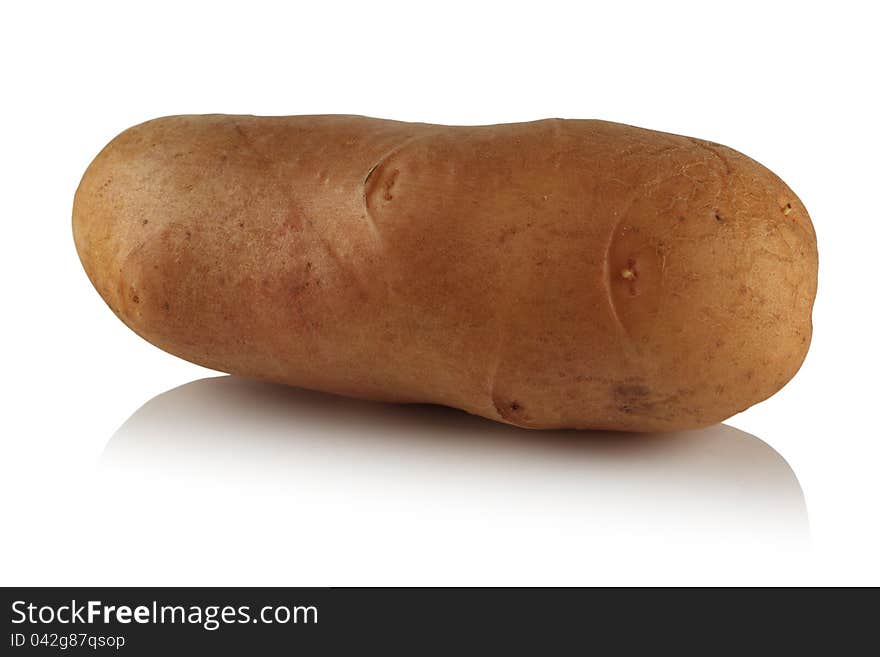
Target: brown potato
x: 559, y: 273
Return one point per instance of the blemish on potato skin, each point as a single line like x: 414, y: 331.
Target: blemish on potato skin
x: 630, y: 275
x: 511, y: 410
x: 506, y: 234
x: 632, y: 390
x: 299, y: 289
x: 632, y: 398
x: 389, y: 184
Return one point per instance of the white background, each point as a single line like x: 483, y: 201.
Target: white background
x: 231, y: 482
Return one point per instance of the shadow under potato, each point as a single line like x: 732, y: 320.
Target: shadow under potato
x: 235, y: 431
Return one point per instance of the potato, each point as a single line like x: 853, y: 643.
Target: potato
x: 553, y: 274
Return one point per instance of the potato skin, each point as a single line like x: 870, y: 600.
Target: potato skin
x: 552, y: 274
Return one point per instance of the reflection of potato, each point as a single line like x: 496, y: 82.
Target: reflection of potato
x: 548, y: 274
